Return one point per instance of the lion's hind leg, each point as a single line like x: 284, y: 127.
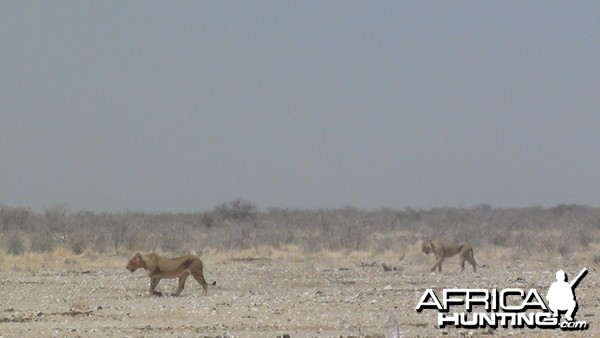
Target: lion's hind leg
x: 467, y: 254
x: 182, y: 280
x: 199, y: 277
x: 462, y: 262
x: 471, y: 259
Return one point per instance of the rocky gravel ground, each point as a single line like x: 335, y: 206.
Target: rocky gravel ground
x: 262, y: 297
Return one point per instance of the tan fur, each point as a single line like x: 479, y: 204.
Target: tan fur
x: 164, y: 268
x: 442, y: 249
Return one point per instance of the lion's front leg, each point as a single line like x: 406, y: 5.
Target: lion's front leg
x: 438, y: 264
x: 153, y: 283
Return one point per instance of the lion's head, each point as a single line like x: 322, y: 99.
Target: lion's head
x: 427, y: 246
x: 135, y: 262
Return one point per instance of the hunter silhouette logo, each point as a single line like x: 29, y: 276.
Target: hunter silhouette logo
x: 511, y: 307
x: 561, y: 295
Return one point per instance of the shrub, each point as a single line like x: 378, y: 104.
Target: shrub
x: 42, y: 241
x: 78, y: 242
x: 15, y: 244
x: 239, y: 225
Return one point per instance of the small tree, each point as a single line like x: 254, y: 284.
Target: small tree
x: 238, y: 209
x: 13, y: 217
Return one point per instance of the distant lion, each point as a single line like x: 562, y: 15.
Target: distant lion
x: 165, y: 268
x: 442, y: 249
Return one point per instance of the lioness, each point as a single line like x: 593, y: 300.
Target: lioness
x: 160, y: 268
x: 443, y: 249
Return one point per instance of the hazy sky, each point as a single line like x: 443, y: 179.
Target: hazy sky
x: 181, y: 106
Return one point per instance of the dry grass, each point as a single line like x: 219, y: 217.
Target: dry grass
x: 490, y: 256
x: 59, y: 259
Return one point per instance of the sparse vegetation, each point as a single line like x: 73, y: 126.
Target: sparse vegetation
x: 15, y: 244
x: 239, y: 225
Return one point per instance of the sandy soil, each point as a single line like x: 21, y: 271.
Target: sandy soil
x: 305, y: 297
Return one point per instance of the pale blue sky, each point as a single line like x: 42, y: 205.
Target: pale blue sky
x: 180, y: 106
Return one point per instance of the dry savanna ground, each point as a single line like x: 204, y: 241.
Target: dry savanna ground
x: 267, y: 293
